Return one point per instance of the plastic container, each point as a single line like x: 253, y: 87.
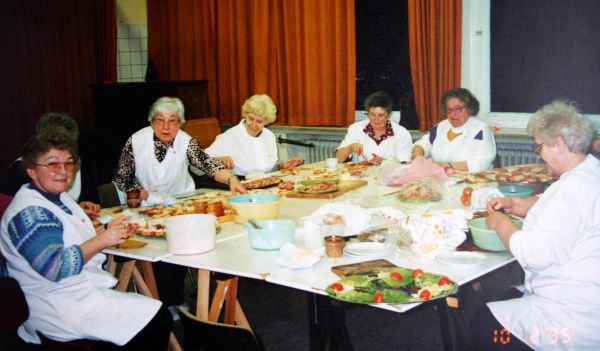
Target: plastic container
x: 191, y: 234
x: 273, y: 234
x: 255, y: 206
x: 486, y: 238
x: 537, y: 187
x: 516, y: 190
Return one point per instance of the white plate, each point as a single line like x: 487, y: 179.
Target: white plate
x: 366, y: 249
x: 463, y: 259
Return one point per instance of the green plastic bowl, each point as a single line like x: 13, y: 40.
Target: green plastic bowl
x: 273, y: 234
x: 485, y: 238
x: 516, y: 190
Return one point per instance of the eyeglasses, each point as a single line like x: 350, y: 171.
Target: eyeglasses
x: 169, y: 123
x: 56, y: 167
x: 537, y: 148
x: 456, y: 109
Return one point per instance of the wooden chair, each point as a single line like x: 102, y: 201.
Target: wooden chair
x: 208, y: 336
x: 204, y: 130
x: 108, y: 195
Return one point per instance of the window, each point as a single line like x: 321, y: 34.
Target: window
x: 382, y: 56
x: 543, y: 50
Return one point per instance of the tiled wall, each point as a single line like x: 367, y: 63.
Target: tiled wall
x: 132, y: 52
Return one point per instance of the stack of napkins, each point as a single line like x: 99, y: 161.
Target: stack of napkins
x: 293, y: 257
x: 437, y: 232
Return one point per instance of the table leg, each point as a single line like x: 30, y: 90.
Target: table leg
x: 125, y: 275
x: 203, y: 296
x: 148, y: 276
x: 231, y: 301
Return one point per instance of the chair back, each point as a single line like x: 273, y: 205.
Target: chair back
x: 108, y: 195
x: 204, y: 130
x: 210, y: 336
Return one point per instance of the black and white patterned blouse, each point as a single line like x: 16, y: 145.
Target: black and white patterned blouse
x: 125, y: 174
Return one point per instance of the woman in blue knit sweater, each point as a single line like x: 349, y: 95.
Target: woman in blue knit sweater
x: 51, y: 248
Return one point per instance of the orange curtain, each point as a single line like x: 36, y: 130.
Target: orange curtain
x: 299, y: 52
x: 435, y: 47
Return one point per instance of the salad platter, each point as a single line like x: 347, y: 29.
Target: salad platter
x: 396, y: 285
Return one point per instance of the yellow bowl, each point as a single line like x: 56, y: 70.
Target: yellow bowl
x: 255, y: 206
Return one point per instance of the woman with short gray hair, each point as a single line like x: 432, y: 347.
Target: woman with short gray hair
x: 558, y: 246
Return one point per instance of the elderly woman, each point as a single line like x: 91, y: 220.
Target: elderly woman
x: 460, y: 141
x: 376, y: 139
x: 156, y: 159
x: 52, y: 249
x: 558, y: 246
x: 249, y: 147
x: 15, y: 177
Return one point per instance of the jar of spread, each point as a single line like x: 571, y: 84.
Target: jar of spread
x: 133, y: 199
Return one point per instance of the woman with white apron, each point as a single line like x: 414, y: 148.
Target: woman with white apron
x: 155, y: 161
x: 460, y: 141
x: 52, y: 249
x: 249, y: 147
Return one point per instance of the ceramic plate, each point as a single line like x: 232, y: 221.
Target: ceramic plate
x: 366, y: 249
x: 462, y: 259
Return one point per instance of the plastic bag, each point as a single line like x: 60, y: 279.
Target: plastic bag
x: 396, y: 174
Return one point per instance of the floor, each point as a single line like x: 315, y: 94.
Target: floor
x: 279, y: 316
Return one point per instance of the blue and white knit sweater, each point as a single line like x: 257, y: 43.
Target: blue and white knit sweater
x: 38, y: 235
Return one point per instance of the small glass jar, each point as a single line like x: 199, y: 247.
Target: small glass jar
x: 334, y: 246
x: 133, y: 199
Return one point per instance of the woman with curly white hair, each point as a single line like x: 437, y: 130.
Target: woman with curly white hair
x: 558, y: 247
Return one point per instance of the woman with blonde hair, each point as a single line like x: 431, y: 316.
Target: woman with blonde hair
x: 249, y: 147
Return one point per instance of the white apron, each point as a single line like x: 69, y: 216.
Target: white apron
x: 249, y: 154
x: 478, y: 152
x: 397, y: 147
x: 80, y: 306
x: 171, y: 176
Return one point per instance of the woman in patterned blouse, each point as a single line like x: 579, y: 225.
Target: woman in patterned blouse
x: 156, y: 159
x: 376, y: 139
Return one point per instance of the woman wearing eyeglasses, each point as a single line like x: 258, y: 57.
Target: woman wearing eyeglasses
x: 558, y: 246
x: 49, y: 245
x: 460, y: 141
x: 156, y: 159
x: 375, y: 139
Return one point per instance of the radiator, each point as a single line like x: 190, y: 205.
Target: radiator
x: 509, y: 154
x: 323, y: 149
x: 516, y: 154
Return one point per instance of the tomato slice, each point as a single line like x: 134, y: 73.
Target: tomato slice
x: 417, y: 272
x: 425, y: 295
x: 337, y: 286
x: 444, y: 281
x: 397, y: 276
x: 378, y: 297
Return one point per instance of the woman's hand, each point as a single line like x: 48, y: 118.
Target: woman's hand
x: 116, y: 231
x: 515, y: 205
x: 376, y: 160
x: 91, y: 209
x: 502, y: 204
x: 227, y: 161
x: 292, y: 162
x: 236, y: 187
x: 417, y: 151
x: 357, y: 148
x: 144, y: 194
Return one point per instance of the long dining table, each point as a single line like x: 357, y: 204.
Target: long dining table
x: 234, y: 256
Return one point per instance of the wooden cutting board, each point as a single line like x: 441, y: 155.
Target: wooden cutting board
x: 343, y: 187
x: 367, y: 267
